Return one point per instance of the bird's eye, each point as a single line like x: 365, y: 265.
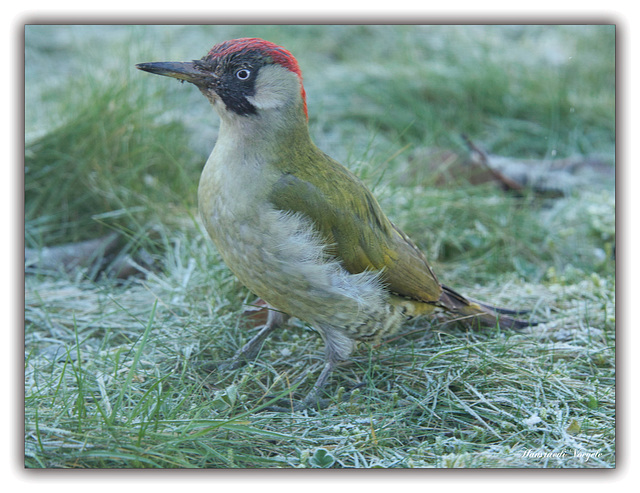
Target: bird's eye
x: 243, y: 74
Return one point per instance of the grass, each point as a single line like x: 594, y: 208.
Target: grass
x: 122, y: 373
x: 96, y: 171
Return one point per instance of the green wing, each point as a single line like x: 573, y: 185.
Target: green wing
x: 358, y: 233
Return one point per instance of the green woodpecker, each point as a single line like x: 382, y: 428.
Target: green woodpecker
x: 296, y: 227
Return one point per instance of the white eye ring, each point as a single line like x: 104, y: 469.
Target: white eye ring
x: 243, y: 74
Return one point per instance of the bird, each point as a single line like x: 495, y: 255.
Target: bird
x: 296, y: 227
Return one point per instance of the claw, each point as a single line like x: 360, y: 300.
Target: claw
x: 312, y: 401
x: 251, y: 349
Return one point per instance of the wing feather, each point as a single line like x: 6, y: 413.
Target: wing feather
x: 356, y: 230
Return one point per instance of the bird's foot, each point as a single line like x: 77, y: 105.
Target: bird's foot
x: 250, y: 350
x: 240, y: 359
x: 282, y: 406
x: 311, y: 402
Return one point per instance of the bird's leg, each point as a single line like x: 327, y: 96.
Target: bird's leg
x: 337, y: 348
x: 251, y: 349
x: 313, y: 399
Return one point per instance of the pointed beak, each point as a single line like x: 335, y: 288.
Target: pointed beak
x: 186, y: 71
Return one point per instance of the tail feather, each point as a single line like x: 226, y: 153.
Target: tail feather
x: 487, y: 314
x: 503, y: 311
